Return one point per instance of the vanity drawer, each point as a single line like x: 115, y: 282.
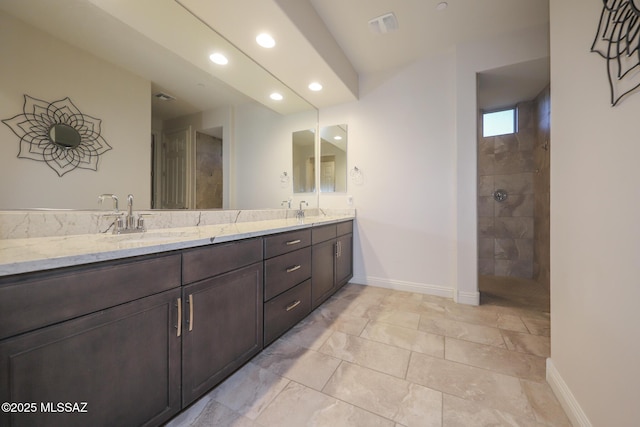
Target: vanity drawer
x: 323, y: 233
x: 220, y: 258
x: 284, y: 311
x: 285, y: 271
x: 286, y: 242
x: 344, y: 228
x: 32, y: 301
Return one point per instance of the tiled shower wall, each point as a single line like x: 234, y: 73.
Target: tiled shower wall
x: 514, y: 234
x: 208, y: 172
x: 506, y: 229
x: 541, y: 186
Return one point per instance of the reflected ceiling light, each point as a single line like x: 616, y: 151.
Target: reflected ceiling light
x: 276, y: 96
x: 442, y: 5
x: 219, y: 59
x: 265, y: 40
x: 315, y: 86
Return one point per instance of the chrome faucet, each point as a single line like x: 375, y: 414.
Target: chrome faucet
x: 130, y: 220
x: 300, y: 213
x: 129, y: 224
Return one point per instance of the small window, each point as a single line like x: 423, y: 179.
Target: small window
x: 499, y: 122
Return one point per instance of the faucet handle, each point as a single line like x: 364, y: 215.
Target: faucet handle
x: 118, y: 222
x: 140, y: 222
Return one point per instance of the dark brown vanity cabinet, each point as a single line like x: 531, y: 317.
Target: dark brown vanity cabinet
x: 133, y: 341
x: 93, y: 345
x: 222, y: 306
x: 332, y: 259
x: 287, y: 284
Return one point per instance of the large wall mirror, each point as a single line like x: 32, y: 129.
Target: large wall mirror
x: 166, y: 108
x: 333, y: 159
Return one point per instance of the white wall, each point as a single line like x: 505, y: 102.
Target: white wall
x: 401, y: 135
x: 262, y: 152
x: 413, y: 134
x: 595, y: 228
x: 36, y: 64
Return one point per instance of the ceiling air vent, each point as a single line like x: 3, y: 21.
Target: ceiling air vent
x: 383, y: 24
x: 164, y: 96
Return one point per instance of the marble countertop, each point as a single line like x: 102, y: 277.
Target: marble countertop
x: 43, y: 253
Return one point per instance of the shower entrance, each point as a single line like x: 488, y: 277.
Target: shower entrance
x: 513, y: 205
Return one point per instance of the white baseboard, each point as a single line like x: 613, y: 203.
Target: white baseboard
x: 398, y: 285
x: 565, y: 397
x: 469, y: 298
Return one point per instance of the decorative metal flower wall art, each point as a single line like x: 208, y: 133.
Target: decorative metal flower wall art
x: 618, y: 41
x: 58, y: 134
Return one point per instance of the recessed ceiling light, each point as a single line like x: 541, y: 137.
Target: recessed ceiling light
x: 276, y: 96
x: 337, y: 137
x: 442, y: 5
x: 315, y: 86
x: 219, y: 59
x: 265, y: 40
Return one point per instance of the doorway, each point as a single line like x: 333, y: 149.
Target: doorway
x: 513, y: 191
x: 187, y: 170
x: 208, y: 172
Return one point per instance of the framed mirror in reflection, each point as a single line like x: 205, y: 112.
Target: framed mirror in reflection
x: 304, y: 156
x: 333, y: 159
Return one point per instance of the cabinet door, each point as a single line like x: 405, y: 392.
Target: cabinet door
x: 344, y: 260
x: 322, y: 271
x: 222, y: 328
x: 123, y: 362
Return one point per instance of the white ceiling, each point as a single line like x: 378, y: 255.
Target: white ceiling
x: 423, y: 30
x: 325, y: 40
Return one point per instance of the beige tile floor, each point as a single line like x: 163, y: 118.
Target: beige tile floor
x: 377, y: 357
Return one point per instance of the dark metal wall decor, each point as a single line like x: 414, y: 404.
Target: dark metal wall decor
x: 618, y: 41
x: 59, y: 134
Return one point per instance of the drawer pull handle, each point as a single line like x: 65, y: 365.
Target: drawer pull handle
x: 293, y: 242
x: 294, y: 268
x: 191, y: 312
x: 293, y: 305
x: 179, y: 323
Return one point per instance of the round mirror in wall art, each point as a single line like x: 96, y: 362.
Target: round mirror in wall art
x: 64, y: 135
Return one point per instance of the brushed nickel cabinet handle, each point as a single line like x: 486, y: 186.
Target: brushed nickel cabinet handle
x: 191, y: 312
x: 179, y: 324
x: 293, y: 242
x: 293, y: 305
x: 294, y: 268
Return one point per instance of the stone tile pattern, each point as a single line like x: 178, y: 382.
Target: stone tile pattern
x: 541, y: 186
x: 208, y: 172
x: 378, y: 357
x: 506, y: 230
